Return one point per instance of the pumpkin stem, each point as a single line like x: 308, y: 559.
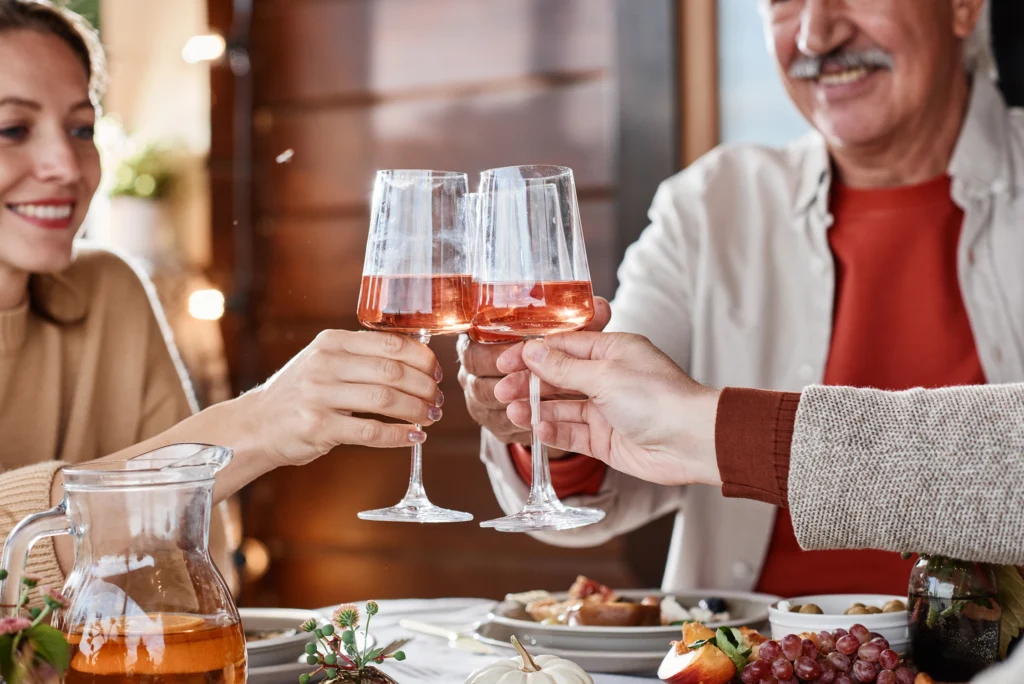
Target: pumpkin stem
x: 529, y: 665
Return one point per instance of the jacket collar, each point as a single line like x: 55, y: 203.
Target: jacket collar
x: 981, y: 157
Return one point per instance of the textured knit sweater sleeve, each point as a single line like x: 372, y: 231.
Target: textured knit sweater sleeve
x: 928, y: 471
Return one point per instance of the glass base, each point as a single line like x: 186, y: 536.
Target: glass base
x: 416, y: 512
x: 538, y: 518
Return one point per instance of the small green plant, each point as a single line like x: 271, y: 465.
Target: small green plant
x: 341, y: 658
x: 146, y: 174
x: 30, y: 649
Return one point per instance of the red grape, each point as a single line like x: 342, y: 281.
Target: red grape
x: 843, y: 678
x: 827, y: 676
x: 870, y: 652
x: 904, y: 675
x: 809, y: 649
x: 760, y: 668
x: 839, y: 633
x: 807, y: 668
x: 880, y: 640
x: 876, y: 635
x: 792, y: 646
x: 782, y: 668
x: 770, y: 651
x: 888, y: 659
x: 864, y: 671
x: 886, y: 677
x: 861, y: 632
x: 749, y: 677
x: 791, y: 680
x: 769, y: 680
x: 848, y: 644
x: 826, y: 642
x: 839, y: 662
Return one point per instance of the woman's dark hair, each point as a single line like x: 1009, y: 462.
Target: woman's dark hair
x: 43, y: 16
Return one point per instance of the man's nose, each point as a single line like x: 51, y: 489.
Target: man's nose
x: 823, y: 28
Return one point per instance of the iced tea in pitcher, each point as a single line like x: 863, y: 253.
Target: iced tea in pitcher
x: 157, y: 649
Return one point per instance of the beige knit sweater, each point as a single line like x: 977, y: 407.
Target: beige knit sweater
x: 936, y: 471
x: 88, y: 368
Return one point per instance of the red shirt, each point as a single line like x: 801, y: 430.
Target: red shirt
x: 899, y: 322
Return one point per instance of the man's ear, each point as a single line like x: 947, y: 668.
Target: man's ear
x: 966, y: 14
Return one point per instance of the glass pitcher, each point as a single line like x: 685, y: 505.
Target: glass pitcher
x: 145, y: 601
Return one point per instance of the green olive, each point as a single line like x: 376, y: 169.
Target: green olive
x: 873, y: 610
x: 811, y: 608
x: 894, y: 607
x: 856, y: 610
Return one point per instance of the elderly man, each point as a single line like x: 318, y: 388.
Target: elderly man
x: 885, y: 249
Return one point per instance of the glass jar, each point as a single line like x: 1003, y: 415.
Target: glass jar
x: 954, y: 618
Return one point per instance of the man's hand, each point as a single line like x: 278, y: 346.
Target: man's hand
x: 642, y: 414
x: 478, y: 375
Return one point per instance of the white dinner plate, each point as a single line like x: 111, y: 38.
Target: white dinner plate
x: 607, y: 662
x: 745, y: 608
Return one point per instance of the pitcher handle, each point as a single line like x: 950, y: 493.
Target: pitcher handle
x: 20, y: 541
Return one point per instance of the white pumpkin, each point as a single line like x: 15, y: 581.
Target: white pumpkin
x: 525, y: 669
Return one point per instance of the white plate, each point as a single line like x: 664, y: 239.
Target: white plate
x: 280, y: 674
x: 607, y: 662
x: 745, y: 608
x: 279, y: 650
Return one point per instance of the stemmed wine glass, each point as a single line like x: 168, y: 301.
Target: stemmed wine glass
x: 417, y: 282
x: 531, y: 279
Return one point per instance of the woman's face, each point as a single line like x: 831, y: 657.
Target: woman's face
x: 49, y: 166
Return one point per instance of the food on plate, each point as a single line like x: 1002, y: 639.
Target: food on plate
x: 252, y: 635
x: 525, y: 669
x: 729, y: 655
x: 854, y: 609
x: 593, y: 604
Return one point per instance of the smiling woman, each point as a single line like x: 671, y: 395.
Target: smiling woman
x: 87, y: 367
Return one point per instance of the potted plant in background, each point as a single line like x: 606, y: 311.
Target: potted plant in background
x: 141, y: 179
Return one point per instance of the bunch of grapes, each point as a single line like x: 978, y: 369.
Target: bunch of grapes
x: 855, y: 657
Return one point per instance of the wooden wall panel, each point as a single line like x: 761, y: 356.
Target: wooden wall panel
x: 335, y: 151
x: 305, y: 52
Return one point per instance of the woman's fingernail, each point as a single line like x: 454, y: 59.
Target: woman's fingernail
x: 439, y: 399
x: 417, y: 436
x: 434, y: 413
x: 438, y: 375
x: 535, y: 350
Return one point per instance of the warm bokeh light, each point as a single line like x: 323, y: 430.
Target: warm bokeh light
x: 206, y: 305
x: 203, y: 48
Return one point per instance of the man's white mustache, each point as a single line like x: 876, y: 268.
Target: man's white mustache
x: 811, y: 67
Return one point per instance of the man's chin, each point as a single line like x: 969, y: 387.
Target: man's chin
x: 856, y: 127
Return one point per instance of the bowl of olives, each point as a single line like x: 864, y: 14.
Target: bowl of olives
x: 881, y: 614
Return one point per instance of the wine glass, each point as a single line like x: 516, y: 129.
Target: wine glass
x: 531, y: 279
x: 417, y: 282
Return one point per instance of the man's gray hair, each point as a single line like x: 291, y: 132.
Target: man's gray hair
x: 978, y: 46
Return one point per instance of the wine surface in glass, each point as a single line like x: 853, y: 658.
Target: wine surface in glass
x: 532, y: 309
x: 412, y: 304
x: 159, y: 648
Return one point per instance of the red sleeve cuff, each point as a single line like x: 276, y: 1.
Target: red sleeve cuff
x: 576, y: 475
x: 753, y: 433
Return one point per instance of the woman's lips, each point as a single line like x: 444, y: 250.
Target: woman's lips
x: 49, y: 214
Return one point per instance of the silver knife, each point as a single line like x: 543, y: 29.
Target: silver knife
x: 458, y: 640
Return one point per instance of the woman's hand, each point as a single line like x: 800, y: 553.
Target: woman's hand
x: 642, y: 414
x: 306, y: 408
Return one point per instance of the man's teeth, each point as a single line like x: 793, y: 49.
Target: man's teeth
x: 842, y: 77
x: 45, y: 212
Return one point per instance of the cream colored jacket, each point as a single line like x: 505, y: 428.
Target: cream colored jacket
x: 734, y: 280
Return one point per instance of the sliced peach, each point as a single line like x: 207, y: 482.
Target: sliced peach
x: 695, y: 631
x: 705, y: 665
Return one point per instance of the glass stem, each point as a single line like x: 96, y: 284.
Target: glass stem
x: 416, y: 493
x: 541, y: 491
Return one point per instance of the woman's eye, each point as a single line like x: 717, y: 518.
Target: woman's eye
x: 84, y: 132
x: 14, y: 132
